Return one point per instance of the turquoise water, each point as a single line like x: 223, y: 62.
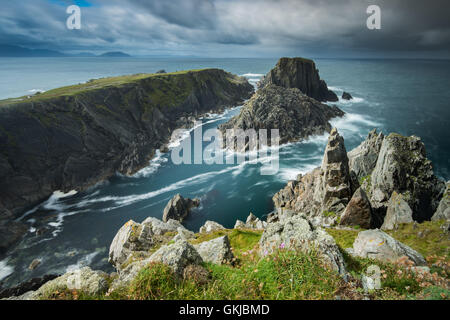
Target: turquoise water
x: 405, y: 96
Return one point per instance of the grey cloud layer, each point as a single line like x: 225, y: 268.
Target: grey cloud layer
x: 237, y: 27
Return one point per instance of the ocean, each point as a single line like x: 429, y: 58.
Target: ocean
x: 404, y: 96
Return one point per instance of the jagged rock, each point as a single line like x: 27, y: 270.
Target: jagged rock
x: 183, y: 234
x: 398, y: 212
x: 358, y: 211
x: 85, y: 280
x: 299, y: 73
x: 137, y: 238
x: 362, y: 159
x: 10, y: 231
x: 296, y: 115
x: 376, y: 244
x: 402, y: 166
x: 443, y: 210
x: 74, y: 141
x: 23, y: 291
x: 296, y: 233
x: 346, y: 96
x: 178, y: 208
x: 323, y: 194
x: 239, y: 225
x: 178, y: 256
x: 210, y: 226
x: 217, y: 250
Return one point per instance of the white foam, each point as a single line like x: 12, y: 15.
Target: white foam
x: 251, y: 75
x: 286, y: 174
x: 351, y: 122
x: 351, y: 101
x: 36, y: 90
x: 158, y: 160
x: 85, y: 261
x: 5, y: 269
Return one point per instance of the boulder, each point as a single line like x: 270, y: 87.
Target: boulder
x: 402, y: 166
x: 252, y: 222
x: 346, y: 96
x: 239, y: 225
x: 443, y: 210
x: 299, y: 73
x: 26, y: 287
x: 296, y: 233
x: 398, y: 212
x: 217, y: 250
x: 178, y: 208
x: 177, y: 255
x: 296, y: 115
x: 85, y: 280
x: 358, y: 211
x: 362, y: 159
x: 136, y: 239
x: 211, y: 226
x: 378, y: 245
x: 34, y: 264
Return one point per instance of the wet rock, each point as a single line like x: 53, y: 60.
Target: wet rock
x: 34, y: 264
x: 346, y: 96
x: 178, y: 208
x: 296, y: 233
x: 358, y: 211
x: 378, y: 245
x: 217, y: 250
x: 26, y: 287
x: 211, y: 226
x: 398, y: 212
x: 10, y: 231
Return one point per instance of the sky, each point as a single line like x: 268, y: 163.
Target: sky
x: 232, y: 28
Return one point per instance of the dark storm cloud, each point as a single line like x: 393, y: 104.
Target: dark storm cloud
x: 237, y: 27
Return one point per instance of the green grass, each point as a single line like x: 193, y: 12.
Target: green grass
x: 344, y: 238
x: 103, y: 83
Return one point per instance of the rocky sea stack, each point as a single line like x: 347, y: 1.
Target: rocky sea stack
x: 288, y: 99
x: 302, y: 74
x: 73, y: 137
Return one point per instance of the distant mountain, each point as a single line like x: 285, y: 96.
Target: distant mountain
x: 115, y: 54
x: 7, y: 50
x: 84, y: 54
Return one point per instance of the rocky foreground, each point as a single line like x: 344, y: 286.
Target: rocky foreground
x: 289, y: 98
x: 156, y: 259
x: 74, y: 137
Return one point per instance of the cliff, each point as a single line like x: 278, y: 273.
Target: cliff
x: 302, y: 74
x: 73, y: 137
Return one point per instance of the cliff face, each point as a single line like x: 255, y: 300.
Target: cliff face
x: 73, y: 137
x: 301, y: 74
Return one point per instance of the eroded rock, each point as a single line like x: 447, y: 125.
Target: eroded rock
x: 178, y: 208
x: 398, y: 212
x: 217, y: 250
x: 358, y: 211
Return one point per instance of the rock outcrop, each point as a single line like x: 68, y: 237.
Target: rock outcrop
x: 443, y: 210
x: 178, y: 208
x: 378, y: 245
x: 402, y: 166
x: 346, y: 96
x: 211, y: 226
x: 252, y: 222
x: 71, y: 138
x: 358, y: 211
x: 323, y: 194
x: 86, y: 280
x: 299, y: 73
x: 134, y: 240
x: 398, y: 212
x: 362, y: 159
x: 216, y: 251
x: 294, y: 114
x: 294, y: 232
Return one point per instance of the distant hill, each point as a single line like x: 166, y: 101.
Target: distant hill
x: 115, y: 54
x: 7, y: 50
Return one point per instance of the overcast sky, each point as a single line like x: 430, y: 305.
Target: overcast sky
x: 232, y: 28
